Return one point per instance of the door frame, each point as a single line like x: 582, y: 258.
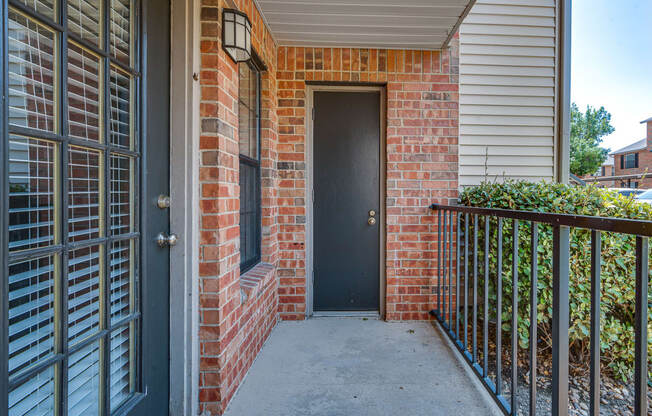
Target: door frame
x: 184, y: 206
x: 343, y: 87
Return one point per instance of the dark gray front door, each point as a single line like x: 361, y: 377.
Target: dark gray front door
x: 155, y: 268
x: 346, y: 137
x: 84, y: 152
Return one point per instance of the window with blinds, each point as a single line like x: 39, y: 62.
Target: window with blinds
x: 72, y: 155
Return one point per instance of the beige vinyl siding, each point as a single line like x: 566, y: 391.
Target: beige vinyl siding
x: 507, y: 89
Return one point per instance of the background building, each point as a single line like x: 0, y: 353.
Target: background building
x: 635, y: 159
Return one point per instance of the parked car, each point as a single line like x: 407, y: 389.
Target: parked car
x: 628, y: 191
x: 645, y: 197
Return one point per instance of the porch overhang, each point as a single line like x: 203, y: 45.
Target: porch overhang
x: 382, y: 24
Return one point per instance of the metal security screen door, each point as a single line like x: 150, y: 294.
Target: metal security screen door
x: 73, y: 139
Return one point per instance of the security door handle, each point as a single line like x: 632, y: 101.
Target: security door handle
x: 164, y: 240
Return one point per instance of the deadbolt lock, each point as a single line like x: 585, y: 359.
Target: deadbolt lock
x: 372, y: 213
x: 163, y: 201
x: 371, y: 221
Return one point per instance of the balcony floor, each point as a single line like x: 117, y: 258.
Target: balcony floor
x: 353, y: 366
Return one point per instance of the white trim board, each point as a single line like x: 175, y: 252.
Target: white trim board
x: 184, y: 208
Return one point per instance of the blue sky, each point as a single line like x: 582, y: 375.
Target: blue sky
x: 611, y: 63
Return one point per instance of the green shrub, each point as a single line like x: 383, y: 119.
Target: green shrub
x: 617, y: 272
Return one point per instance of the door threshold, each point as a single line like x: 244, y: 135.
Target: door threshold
x: 346, y: 314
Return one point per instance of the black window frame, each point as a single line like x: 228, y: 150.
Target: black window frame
x: 627, y: 161
x: 256, y: 67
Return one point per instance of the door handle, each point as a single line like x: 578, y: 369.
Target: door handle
x: 164, y: 240
x: 372, y: 217
x: 371, y: 221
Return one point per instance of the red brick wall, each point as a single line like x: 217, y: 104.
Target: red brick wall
x: 422, y: 163
x: 236, y: 315
x: 644, y: 164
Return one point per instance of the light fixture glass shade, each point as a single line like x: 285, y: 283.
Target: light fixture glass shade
x: 236, y: 35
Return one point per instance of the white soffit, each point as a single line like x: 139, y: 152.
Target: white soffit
x: 387, y: 24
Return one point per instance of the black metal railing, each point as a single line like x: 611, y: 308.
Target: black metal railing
x: 455, y: 267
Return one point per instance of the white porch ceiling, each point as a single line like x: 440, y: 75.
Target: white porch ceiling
x: 395, y: 24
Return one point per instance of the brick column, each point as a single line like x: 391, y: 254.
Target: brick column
x: 237, y: 313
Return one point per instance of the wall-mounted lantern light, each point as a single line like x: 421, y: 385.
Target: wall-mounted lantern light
x: 236, y: 35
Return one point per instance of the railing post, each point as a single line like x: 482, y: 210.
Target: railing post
x: 514, y: 403
x: 534, y: 287
x: 466, y: 281
x: 560, y: 319
x: 450, y: 271
x: 474, y: 337
x: 444, y: 261
x: 499, y: 310
x: 458, y: 260
x: 439, y: 263
x: 485, y: 311
x: 640, y: 344
x: 594, y: 385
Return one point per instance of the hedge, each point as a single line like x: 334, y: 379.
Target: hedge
x: 617, y: 272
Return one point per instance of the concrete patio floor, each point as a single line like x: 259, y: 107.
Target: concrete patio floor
x: 357, y: 366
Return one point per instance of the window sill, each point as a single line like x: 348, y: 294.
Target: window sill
x: 254, y: 280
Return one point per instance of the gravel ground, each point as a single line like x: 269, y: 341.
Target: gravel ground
x: 616, y: 398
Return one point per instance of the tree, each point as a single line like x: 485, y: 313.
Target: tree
x: 587, y: 131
